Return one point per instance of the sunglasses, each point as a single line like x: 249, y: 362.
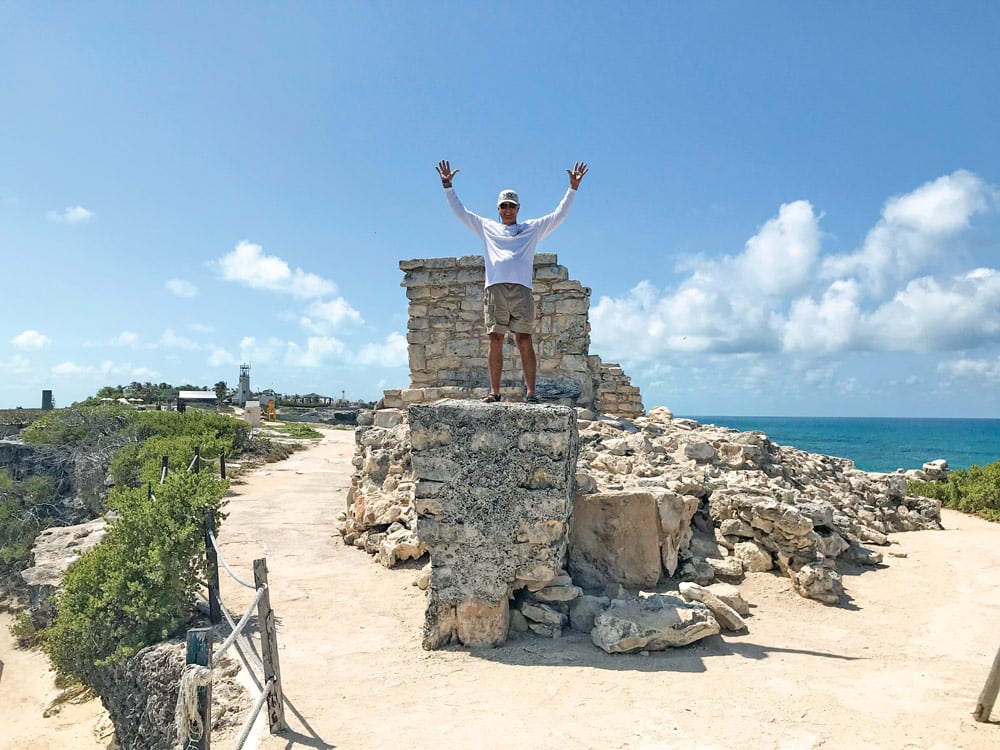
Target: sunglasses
x: 505, y: 206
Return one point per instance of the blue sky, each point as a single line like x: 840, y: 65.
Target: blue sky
x: 792, y: 208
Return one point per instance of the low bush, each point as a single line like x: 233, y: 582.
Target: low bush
x: 26, y: 509
x: 975, y: 490
x: 136, y: 587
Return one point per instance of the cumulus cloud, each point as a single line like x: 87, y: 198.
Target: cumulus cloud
x: 894, y: 293
x: 181, y: 288
x: 70, y: 215
x: 220, y: 357
x: 31, y: 339
x: 171, y: 340
x: 248, y: 265
x: 317, y: 350
x: 389, y: 353
x: 333, y: 312
x: 913, y: 231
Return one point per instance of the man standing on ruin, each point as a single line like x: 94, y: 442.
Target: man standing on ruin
x: 509, y: 255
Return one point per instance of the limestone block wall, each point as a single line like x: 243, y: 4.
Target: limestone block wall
x: 493, y: 498
x: 447, y: 345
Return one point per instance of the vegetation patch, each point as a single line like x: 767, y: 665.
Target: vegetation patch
x: 137, y: 586
x: 975, y: 490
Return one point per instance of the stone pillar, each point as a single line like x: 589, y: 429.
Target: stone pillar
x: 493, y: 496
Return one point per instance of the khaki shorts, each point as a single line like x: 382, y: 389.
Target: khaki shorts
x: 508, y: 307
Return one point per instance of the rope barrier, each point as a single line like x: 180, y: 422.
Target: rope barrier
x: 252, y: 716
x: 193, y: 462
x: 222, y: 559
x: 239, y: 628
x: 163, y: 475
x: 242, y: 640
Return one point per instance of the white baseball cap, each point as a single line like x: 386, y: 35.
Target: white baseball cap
x: 508, y: 196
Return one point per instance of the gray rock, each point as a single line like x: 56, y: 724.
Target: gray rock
x: 727, y: 617
x: 654, y: 623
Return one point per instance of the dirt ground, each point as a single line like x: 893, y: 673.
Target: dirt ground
x: 899, y: 666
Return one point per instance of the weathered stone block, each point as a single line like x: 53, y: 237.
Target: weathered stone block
x: 492, y: 507
x: 615, y: 539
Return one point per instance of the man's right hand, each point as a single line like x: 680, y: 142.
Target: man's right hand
x: 446, y: 173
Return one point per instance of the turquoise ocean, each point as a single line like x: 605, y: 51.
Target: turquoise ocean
x: 880, y: 444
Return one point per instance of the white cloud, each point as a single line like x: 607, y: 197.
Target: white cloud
x: 181, y: 288
x: 105, y: 369
x: 126, y: 338
x: 248, y: 265
x: 171, y: 340
x: 333, y: 313
x: 915, y: 229
x: 317, y: 349
x: 31, y: 339
x: 781, y: 257
x: 70, y: 215
x: 827, y: 326
x: 16, y: 364
x: 390, y: 353
x: 939, y: 314
x: 781, y: 294
x: 979, y: 369
x: 220, y: 357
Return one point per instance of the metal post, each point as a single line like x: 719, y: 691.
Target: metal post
x: 269, y: 650
x: 199, y: 651
x: 222, y: 465
x: 212, y: 564
x: 197, y: 459
x: 164, y: 467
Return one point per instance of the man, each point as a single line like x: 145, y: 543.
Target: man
x: 509, y: 253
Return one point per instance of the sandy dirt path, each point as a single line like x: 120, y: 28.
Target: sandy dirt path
x: 898, y: 667
x: 27, y: 689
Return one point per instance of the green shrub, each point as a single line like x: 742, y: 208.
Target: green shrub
x: 136, y: 587
x: 80, y: 426
x: 975, y: 490
x: 23, y: 631
x: 26, y: 509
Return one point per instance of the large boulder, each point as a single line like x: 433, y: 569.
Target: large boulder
x: 652, y: 623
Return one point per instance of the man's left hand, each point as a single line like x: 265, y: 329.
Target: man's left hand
x: 576, y: 174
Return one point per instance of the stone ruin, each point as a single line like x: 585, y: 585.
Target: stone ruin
x: 447, y: 347
x: 631, y: 527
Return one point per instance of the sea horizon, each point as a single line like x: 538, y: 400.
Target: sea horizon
x: 882, y: 444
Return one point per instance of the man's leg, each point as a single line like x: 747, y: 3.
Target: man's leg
x: 495, y: 360
x: 528, y: 362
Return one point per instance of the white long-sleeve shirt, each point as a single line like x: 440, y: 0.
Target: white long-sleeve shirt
x: 509, y: 250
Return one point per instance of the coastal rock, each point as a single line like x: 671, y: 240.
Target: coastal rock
x: 662, y: 497
x: 726, y: 616
x: 54, y: 550
x: 652, y: 623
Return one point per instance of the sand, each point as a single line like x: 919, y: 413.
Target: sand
x: 899, y: 665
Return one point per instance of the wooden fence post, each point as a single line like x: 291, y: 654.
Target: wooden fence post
x: 212, y: 563
x: 989, y: 695
x: 269, y: 650
x: 199, y: 651
x: 222, y: 465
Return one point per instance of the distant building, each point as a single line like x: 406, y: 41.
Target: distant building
x: 195, y: 398
x: 47, y: 403
x: 243, y: 390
